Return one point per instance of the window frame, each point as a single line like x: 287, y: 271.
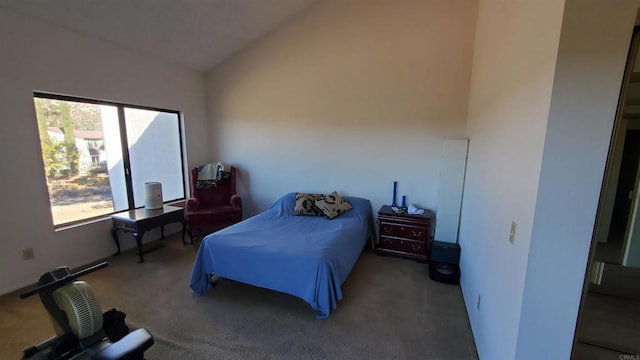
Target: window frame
x: 126, y: 161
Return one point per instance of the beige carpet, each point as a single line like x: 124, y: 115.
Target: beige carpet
x: 390, y: 310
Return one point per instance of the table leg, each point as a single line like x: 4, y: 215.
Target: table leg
x: 161, y: 231
x: 138, y: 236
x: 114, y: 234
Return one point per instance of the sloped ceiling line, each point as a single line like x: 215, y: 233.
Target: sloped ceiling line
x: 197, y: 34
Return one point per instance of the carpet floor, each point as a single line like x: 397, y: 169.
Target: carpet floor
x: 390, y: 310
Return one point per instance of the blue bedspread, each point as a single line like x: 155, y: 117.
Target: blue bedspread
x: 305, y: 256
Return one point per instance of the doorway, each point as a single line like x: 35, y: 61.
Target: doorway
x: 610, y: 307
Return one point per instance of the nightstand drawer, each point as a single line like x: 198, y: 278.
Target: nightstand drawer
x: 404, y: 231
x: 402, y: 245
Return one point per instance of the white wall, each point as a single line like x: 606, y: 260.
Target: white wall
x: 40, y: 57
x: 593, y: 49
x: 545, y: 84
x: 348, y: 96
x: 513, y: 67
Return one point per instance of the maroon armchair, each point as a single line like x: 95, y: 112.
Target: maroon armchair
x: 212, y: 208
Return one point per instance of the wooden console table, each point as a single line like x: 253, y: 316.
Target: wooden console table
x: 140, y: 221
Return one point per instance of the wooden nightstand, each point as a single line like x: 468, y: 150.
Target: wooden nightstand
x: 403, y: 234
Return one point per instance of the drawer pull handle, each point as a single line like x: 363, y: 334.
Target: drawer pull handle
x: 386, y: 241
x: 401, y: 228
x: 416, y: 234
x: 415, y: 247
x: 386, y: 229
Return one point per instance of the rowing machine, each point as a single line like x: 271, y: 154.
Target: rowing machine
x: 82, y: 330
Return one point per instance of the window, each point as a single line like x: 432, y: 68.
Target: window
x: 98, y: 155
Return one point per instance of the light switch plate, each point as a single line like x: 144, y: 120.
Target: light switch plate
x: 512, y: 234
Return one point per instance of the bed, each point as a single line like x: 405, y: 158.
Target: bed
x: 304, y: 256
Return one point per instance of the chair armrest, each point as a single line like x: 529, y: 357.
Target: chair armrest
x: 191, y: 204
x: 236, y: 201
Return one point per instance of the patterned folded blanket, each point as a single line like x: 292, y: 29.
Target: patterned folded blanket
x: 209, y: 175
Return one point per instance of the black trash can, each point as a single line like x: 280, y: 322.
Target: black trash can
x: 444, y: 262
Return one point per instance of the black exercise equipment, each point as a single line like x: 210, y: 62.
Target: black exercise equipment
x: 82, y: 330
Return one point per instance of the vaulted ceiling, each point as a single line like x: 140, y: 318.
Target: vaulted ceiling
x: 194, y: 33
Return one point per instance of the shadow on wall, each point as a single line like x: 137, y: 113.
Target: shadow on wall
x: 155, y: 155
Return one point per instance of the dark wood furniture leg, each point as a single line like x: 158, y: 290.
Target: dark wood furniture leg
x: 184, y: 231
x: 138, y: 236
x: 192, y: 236
x: 114, y: 234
